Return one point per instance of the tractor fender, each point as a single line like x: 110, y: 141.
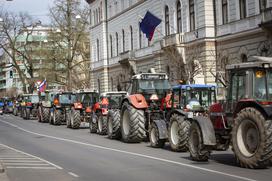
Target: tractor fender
x: 137, y: 100
x: 207, y: 130
x: 161, y: 125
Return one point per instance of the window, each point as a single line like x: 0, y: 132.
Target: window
x: 111, y: 46
x: 243, y: 58
x: 262, y: 4
x: 140, y: 37
x: 117, y: 44
x: 243, y: 12
x: 90, y: 17
x: 131, y: 38
x: 192, y: 14
x: 224, y: 11
x: 238, y: 86
x: 179, y: 22
x: 124, y: 41
x: 99, y: 15
x: 122, y: 5
x: 97, y: 50
x: 167, y: 25
x: 96, y: 15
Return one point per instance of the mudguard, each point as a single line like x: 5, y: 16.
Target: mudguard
x: 161, y: 125
x: 138, y: 101
x: 207, y: 130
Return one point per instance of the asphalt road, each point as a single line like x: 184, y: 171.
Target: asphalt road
x: 33, y: 151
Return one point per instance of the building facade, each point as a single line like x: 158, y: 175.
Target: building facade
x: 194, y: 41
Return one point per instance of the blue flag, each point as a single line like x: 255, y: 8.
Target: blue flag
x: 149, y: 24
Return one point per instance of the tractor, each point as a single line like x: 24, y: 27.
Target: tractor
x: 29, y: 106
x: 113, y: 117
x: 45, y: 106
x: 143, y: 105
x: 80, y: 111
x: 243, y: 121
x: 61, y: 107
x: 185, y: 101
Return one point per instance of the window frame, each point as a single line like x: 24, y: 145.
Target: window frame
x: 167, y: 20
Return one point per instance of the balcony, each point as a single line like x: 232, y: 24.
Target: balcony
x: 174, y: 39
x: 266, y: 18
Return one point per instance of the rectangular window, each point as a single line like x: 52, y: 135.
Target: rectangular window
x: 243, y: 11
x: 225, y: 11
x: 192, y: 14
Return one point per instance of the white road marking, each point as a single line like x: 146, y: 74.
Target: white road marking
x: 21, y: 161
x: 39, y: 168
x: 27, y: 164
x: 131, y: 153
x: 17, y: 158
x: 73, y: 174
x: 52, y: 164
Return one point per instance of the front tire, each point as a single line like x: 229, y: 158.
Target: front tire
x: 93, y: 123
x: 155, y: 140
x: 132, y: 124
x: 252, y: 139
x: 57, y: 117
x: 102, y: 125
x: 75, y: 119
x: 197, y: 149
x: 178, y: 133
x: 114, y: 128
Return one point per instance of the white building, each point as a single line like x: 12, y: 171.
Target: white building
x: 192, y: 41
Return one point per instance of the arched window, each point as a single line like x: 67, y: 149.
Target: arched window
x: 97, y: 50
x: 179, y: 21
x: 140, y: 37
x: 131, y: 38
x: 243, y: 57
x: 111, y: 46
x: 117, y: 44
x: 243, y: 10
x: 124, y: 40
x: 167, y: 25
x: 99, y: 15
x: 192, y: 14
x: 224, y: 11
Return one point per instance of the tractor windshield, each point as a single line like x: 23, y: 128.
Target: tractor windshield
x: 34, y: 98
x: 157, y: 85
x: 205, y: 97
x: 262, y: 84
x: 67, y: 98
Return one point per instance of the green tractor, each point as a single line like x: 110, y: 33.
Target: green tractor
x: 243, y: 121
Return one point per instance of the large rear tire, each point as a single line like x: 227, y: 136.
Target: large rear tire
x: 178, y: 133
x: 93, y: 123
x: 252, y: 139
x: 114, y: 128
x: 102, y: 125
x: 75, y: 119
x: 154, y: 137
x: 132, y: 124
x: 196, y: 147
x: 57, y: 117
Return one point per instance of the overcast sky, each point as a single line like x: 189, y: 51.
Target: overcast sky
x: 36, y: 8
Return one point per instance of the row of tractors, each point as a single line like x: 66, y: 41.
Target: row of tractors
x: 187, y: 117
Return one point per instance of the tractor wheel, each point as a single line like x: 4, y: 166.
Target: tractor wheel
x: 93, y: 123
x: 195, y: 144
x: 51, y: 116
x: 102, y: 125
x: 113, y: 127
x: 40, y: 114
x: 75, y: 119
x: 178, y: 133
x: 252, y: 139
x: 45, y: 115
x: 132, y: 124
x: 57, y: 117
x: 68, y: 119
x: 28, y: 114
x: 155, y: 140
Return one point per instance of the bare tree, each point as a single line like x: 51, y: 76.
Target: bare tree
x: 18, y: 28
x: 71, y: 54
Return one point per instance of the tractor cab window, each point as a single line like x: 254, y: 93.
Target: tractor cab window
x: 238, y: 90
x: 158, y: 85
x: 259, y: 85
x: 269, y: 84
x: 67, y: 98
x: 34, y: 99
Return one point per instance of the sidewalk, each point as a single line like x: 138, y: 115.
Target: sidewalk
x: 3, y: 175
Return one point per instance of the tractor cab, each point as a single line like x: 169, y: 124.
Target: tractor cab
x: 64, y: 99
x: 115, y: 98
x: 152, y: 86
x: 193, y: 97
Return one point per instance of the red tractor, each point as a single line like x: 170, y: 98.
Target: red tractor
x: 143, y: 105
x: 80, y: 111
x: 243, y: 121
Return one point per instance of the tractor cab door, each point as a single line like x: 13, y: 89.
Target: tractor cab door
x: 236, y: 92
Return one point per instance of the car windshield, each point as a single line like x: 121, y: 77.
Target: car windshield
x: 157, y: 85
x: 34, y: 99
x: 67, y: 98
x: 259, y: 84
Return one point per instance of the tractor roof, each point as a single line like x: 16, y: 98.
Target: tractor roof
x: 259, y: 62
x: 150, y: 76
x: 113, y: 93
x: 193, y: 86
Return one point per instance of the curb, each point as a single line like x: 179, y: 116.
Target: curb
x: 2, y: 170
